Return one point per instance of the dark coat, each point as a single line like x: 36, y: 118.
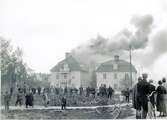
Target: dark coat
x: 7, y: 98
x: 63, y: 101
x: 134, y: 97
x: 29, y: 99
x: 161, y: 91
x: 152, y: 98
x: 142, y: 92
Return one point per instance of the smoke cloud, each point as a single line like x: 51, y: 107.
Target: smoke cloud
x: 97, y: 50
x: 157, y: 47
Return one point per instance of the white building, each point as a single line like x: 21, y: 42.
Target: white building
x: 115, y: 73
x: 69, y: 73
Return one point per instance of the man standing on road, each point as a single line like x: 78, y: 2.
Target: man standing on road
x: 142, y: 92
x: 127, y: 94
x: 165, y: 95
x: 63, y: 103
x: 7, y: 100
x: 135, y: 101
x: 19, y: 97
x: 110, y: 92
x: 45, y: 99
x: 151, y: 98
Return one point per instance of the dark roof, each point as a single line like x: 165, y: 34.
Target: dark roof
x: 123, y: 66
x: 72, y: 64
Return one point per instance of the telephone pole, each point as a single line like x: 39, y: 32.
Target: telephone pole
x: 130, y: 57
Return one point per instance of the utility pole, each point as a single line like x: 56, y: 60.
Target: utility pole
x: 130, y: 56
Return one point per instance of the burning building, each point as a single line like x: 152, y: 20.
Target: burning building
x: 115, y: 73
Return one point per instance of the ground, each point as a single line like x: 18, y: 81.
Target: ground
x: 40, y: 112
x: 84, y: 113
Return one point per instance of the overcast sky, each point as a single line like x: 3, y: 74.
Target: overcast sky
x: 46, y: 29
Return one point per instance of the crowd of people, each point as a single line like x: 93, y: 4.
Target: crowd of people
x: 145, y: 92
x: 52, y: 95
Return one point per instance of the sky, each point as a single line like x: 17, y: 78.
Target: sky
x: 47, y: 29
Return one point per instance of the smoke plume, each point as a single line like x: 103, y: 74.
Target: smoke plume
x: 157, y: 47
x: 97, y: 50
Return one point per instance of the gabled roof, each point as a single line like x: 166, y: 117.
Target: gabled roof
x: 123, y: 66
x: 72, y: 64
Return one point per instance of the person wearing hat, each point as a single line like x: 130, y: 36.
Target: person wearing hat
x: 63, y: 103
x: 160, y: 104
x: 142, y: 93
x: 7, y: 99
x: 164, y: 83
x: 151, y: 100
x: 135, y: 99
x: 152, y: 89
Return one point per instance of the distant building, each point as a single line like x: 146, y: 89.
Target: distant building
x: 69, y: 73
x: 115, y: 73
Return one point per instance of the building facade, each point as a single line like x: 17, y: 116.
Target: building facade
x: 116, y: 73
x: 69, y: 73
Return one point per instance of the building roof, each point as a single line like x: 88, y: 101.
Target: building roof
x: 123, y: 66
x: 72, y: 64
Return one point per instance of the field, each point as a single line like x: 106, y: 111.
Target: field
x: 56, y: 114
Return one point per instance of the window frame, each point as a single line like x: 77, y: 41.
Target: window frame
x: 104, y: 76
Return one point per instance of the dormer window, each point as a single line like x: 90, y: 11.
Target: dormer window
x: 65, y: 67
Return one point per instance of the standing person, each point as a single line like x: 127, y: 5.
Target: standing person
x: 127, y: 94
x: 31, y: 99
x: 27, y: 99
x: 110, y: 92
x: 45, y: 99
x: 151, y: 100
x: 63, y: 103
x: 7, y: 101
x: 142, y: 92
x: 160, y: 99
x: 165, y: 95
x: 19, y: 98
x: 81, y: 90
x: 135, y: 100
x: 39, y: 90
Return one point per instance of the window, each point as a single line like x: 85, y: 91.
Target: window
x: 69, y: 82
x: 126, y: 76
x: 115, y: 66
x: 57, y: 76
x: 65, y: 75
x: 65, y: 67
x: 115, y: 75
x: 104, y: 76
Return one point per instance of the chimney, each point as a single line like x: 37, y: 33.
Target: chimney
x: 116, y: 58
x: 67, y: 54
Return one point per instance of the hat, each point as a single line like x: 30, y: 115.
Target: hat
x: 160, y: 82
x: 139, y: 78
x: 163, y: 79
